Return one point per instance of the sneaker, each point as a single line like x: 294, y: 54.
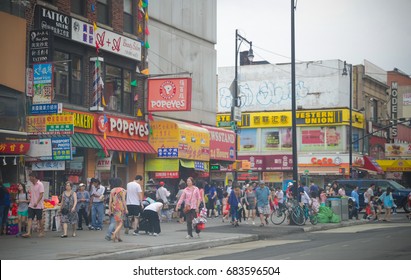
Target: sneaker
x: 108, y: 238
x: 18, y: 234
x: 253, y: 223
x: 91, y: 228
x: 97, y: 228
x: 151, y: 233
x: 155, y: 234
x: 135, y: 233
x: 80, y: 228
x: 189, y: 237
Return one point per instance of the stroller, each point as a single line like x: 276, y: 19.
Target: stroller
x: 143, y: 225
x: 200, y: 221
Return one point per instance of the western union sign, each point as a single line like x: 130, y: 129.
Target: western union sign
x: 320, y: 117
x: 303, y: 118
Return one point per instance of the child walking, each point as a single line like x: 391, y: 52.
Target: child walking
x: 22, y: 201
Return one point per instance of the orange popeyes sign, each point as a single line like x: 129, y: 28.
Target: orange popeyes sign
x: 169, y: 94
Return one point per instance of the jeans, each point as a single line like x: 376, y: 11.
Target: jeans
x: 82, y: 213
x: 111, y: 227
x: 97, y: 214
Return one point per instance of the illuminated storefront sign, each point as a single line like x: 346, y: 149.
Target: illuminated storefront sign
x: 283, y: 119
x: 169, y: 94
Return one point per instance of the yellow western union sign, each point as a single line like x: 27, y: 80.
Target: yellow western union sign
x: 319, y: 117
x: 303, y: 118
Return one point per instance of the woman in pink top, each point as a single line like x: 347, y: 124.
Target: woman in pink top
x: 191, y: 196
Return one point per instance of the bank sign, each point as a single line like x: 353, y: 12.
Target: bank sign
x: 167, y: 95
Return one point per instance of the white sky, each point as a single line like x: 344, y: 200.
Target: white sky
x: 352, y: 30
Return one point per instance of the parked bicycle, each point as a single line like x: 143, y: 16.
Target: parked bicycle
x: 291, y: 210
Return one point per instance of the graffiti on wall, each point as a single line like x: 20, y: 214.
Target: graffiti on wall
x: 266, y: 95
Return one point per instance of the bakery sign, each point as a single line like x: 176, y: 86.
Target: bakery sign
x: 169, y: 94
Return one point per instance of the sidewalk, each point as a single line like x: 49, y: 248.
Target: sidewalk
x: 92, y: 245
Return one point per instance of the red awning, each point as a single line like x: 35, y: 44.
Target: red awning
x: 371, y: 164
x: 125, y: 145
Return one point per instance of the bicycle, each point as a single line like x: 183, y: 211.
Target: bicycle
x: 290, y: 210
x: 310, y: 215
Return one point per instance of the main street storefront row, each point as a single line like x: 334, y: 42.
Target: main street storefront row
x: 265, y: 139
x: 187, y: 150
x: 102, y: 146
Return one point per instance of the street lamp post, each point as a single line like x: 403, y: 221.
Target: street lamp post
x: 344, y: 73
x: 293, y: 98
x: 235, y: 106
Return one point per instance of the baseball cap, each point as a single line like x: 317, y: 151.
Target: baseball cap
x: 262, y: 182
x: 82, y: 185
x: 161, y: 183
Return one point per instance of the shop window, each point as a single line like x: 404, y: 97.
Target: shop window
x: 10, y: 113
x: 78, y: 7
x: 103, y: 12
x: 16, y: 8
x: 68, y: 85
x: 128, y: 17
x: 117, y: 89
x: 128, y: 104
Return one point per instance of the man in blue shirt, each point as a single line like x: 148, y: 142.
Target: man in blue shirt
x: 356, y: 206
x: 262, y: 195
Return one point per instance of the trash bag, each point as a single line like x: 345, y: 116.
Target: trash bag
x: 335, y: 219
x: 326, y: 211
x: 322, y: 218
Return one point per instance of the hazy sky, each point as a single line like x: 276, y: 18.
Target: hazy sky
x: 352, y: 30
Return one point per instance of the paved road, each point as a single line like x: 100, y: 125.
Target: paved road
x: 361, y: 242
x: 92, y: 245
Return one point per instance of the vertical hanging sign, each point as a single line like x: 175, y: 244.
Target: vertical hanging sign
x: 394, y: 109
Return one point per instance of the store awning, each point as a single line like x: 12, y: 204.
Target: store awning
x: 399, y: 165
x: 85, y: 141
x: 125, y: 145
x: 371, y: 164
x: 196, y: 165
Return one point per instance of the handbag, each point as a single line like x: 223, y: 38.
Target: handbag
x: 186, y: 209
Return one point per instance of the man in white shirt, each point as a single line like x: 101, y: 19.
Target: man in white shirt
x: 134, y: 202
x: 163, y: 194
x: 98, y: 207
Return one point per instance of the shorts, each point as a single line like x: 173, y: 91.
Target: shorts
x: 23, y: 213
x: 38, y: 213
x: 134, y: 210
x: 264, y: 210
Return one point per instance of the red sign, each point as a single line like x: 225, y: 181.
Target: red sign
x: 16, y: 148
x: 166, y: 174
x: 122, y: 127
x: 222, y: 143
x: 169, y: 95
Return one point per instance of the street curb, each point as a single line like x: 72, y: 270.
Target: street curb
x: 170, y: 249
x: 333, y: 226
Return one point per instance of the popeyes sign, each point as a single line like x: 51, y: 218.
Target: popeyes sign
x: 169, y: 94
x: 122, y: 127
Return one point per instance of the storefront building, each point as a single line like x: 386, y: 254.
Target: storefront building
x: 102, y: 146
x: 182, y: 150
x: 323, y: 145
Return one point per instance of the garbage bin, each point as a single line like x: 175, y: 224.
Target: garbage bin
x: 335, y: 204
x: 344, y: 208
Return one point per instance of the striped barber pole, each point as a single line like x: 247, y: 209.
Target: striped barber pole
x: 98, y: 85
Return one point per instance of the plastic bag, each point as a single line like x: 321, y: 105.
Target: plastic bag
x: 335, y: 219
x: 323, y: 219
x: 326, y: 211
